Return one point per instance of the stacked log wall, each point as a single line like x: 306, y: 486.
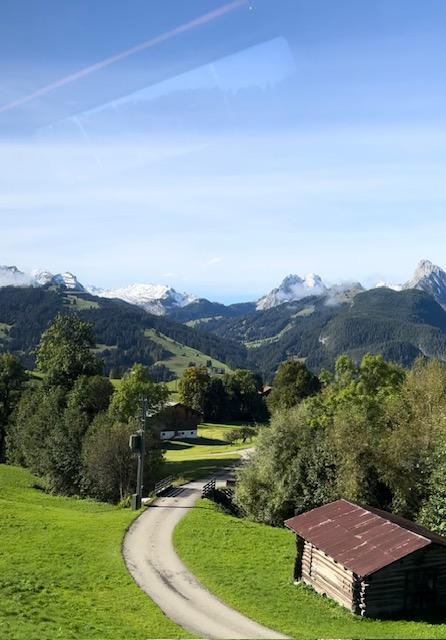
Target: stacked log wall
x: 384, y: 592
x: 379, y: 594
x: 330, y: 578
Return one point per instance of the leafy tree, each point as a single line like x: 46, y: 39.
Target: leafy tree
x: 64, y: 451
x: 215, y: 401
x: 242, y: 433
x: 38, y: 416
x: 64, y: 352
x: 433, y: 511
x: 110, y: 466
x: 292, y: 383
x: 12, y: 377
x: 91, y: 394
x: 418, y: 428
x: 334, y: 443
x: 49, y: 429
x: 231, y: 436
x: 193, y: 387
x: 243, y: 401
x: 291, y: 469
x: 135, y: 384
x: 353, y: 410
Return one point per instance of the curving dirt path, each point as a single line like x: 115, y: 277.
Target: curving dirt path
x: 150, y: 557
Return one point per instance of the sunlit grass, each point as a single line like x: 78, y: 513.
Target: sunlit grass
x: 249, y: 566
x: 62, y: 575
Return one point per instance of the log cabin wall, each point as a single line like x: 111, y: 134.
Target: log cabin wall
x: 329, y: 577
x: 415, y: 583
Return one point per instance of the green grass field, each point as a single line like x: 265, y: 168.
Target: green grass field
x: 80, y: 303
x: 191, y: 459
x: 249, y: 566
x: 61, y: 571
x: 182, y: 355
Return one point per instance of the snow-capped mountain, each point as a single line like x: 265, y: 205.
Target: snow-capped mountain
x: 429, y: 278
x: 158, y: 299
x: 162, y: 299
x: 292, y: 288
x: 41, y: 277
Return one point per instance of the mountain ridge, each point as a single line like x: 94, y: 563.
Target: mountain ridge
x: 163, y: 299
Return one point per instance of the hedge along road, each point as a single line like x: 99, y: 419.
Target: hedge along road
x: 150, y: 558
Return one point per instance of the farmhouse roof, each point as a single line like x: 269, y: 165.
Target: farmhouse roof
x: 181, y: 404
x: 362, y: 539
x: 170, y: 405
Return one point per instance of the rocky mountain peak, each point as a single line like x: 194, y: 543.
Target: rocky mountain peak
x: 292, y: 288
x: 430, y: 278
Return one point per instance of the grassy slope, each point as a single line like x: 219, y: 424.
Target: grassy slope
x: 182, y: 355
x: 81, y: 304
x: 193, y: 459
x: 61, y: 571
x: 249, y: 566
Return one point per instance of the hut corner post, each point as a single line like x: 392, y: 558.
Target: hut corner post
x: 359, y: 595
x: 300, y: 544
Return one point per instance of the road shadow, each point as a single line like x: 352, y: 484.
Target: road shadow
x: 179, y: 445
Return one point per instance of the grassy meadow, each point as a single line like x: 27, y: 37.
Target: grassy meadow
x: 249, y: 566
x: 192, y: 459
x: 62, y: 575
x: 182, y: 355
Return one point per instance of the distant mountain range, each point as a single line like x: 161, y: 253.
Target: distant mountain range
x: 162, y: 299
x: 302, y: 318
x: 159, y: 299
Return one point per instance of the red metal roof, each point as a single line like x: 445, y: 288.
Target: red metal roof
x: 361, y: 539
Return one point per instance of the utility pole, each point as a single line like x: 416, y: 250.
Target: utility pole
x: 138, y: 445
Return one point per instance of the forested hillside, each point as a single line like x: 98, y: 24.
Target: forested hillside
x: 120, y: 329
x: 202, y: 311
x: 399, y: 325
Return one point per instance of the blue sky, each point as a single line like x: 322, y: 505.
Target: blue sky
x: 278, y: 137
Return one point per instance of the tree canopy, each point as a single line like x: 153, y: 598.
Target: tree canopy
x: 292, y: 383
x: 12, y: 377
x: 373, y: 434
x: 65, y: 351
x: 135, y: 384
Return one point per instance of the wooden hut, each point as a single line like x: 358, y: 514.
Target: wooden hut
x: 176, y: 421
x: 370, y: 561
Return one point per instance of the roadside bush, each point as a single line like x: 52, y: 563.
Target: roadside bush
x: 109, y: 465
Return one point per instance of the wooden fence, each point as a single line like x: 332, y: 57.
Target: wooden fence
x: 208, y: 489
x: 163, y: 484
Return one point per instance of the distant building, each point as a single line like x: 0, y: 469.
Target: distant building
x: 265, y: 390
x: 370, y: 561
x: 176, y: 421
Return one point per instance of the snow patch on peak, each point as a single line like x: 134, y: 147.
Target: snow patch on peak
x: 154, y: 298
x: 430, y: 278
x: 68, y: 280
x: 388, y: 285
x: 292, y: 288
x: 425, y: 270
x: 41, y: 277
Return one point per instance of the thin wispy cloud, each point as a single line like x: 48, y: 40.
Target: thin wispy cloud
x: 122, y: 55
